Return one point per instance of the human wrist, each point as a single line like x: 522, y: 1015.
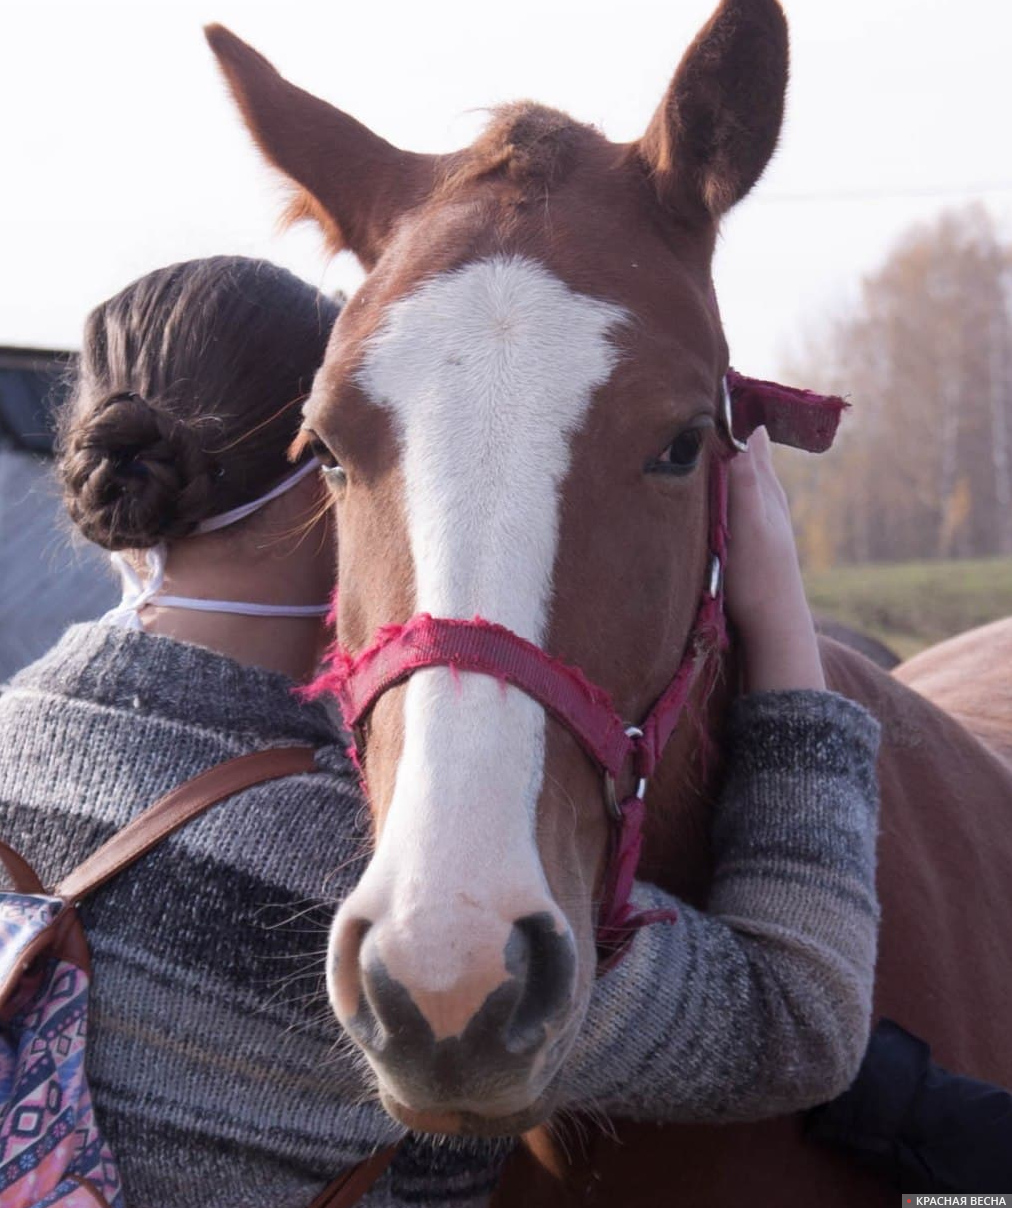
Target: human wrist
x: 781, y: 650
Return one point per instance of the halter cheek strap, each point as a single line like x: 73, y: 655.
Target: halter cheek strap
x: 564, y: 691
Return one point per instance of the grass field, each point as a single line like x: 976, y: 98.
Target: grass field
x: 911, y: 605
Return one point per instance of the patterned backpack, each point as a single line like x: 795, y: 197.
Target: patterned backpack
x: 52, y: 1154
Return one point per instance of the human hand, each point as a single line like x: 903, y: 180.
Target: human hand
x: 764, y: 592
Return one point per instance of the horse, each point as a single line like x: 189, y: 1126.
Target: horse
x: 518, y: 414
x: 863, y: 643
x: 969, y: 677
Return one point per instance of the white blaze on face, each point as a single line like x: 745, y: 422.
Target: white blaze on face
x: 488, y: 372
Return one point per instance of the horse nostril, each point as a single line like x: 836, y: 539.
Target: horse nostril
x: 348, y: 988
x: 388, y: 1013
x: 544, y: 964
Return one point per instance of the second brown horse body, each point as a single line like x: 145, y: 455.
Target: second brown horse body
x: 970, y: 677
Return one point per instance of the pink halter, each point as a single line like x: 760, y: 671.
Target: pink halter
x: 793, y: 417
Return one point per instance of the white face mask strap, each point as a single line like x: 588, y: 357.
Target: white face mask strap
x: 224, y: 519
x: 139, y: 591
x: 241, y: 608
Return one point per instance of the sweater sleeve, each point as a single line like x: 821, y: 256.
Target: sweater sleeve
x: 761, y: 1005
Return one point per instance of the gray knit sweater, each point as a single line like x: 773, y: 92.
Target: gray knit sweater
x: 217, y: 1067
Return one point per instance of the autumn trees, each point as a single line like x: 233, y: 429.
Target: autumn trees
x: 923, y: 464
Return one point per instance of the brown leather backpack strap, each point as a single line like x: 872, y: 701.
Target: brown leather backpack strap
x: 63, y: 938
x: 349, y: 1187
x: 19, y: 871
x: 177, y: 808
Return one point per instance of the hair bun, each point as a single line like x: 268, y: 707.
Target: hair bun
x: 133, y: 475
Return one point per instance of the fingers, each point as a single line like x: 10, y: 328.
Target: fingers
x: 759, y: 513
x: 754, y: 476
x: 774, y: 487
x: 764, y: 457
x: 747, y: 474
x: 756, y: 456
x: 760, y: 446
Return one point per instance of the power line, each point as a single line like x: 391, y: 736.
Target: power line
x: 870, y: 194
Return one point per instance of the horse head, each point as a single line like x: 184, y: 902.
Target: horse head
x: 517, y: 410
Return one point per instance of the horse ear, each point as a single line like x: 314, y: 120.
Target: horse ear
x: 351, y: 181
x: 718, y: 125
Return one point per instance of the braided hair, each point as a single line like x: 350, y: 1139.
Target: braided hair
x: 188, y: 394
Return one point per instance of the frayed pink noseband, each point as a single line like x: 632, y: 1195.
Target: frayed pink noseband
x: 794, y: 417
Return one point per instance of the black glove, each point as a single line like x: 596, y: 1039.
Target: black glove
x: 922, y: 1127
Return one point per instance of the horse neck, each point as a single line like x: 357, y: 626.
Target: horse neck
x: 676, y: 840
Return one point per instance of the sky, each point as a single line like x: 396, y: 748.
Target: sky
x: 122, y: 151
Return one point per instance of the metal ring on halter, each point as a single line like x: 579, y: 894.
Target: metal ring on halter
x: 641, y: 787
x: 611, y: 799
x: 716, y: 571
x: 610, y: 796
x: 728, y: 417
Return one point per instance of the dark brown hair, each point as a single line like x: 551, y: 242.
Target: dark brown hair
x: 188, y: 394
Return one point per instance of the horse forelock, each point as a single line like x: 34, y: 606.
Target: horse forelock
x: 532, y: 146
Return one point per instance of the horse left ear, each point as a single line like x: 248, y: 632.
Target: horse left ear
x: 352, y: 182
x: 718, y: 125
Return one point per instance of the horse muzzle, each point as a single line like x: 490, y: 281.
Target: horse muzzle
x: 464, y: 1019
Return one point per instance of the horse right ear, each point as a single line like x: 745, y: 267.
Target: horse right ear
x: 718, y: 125
x: 352, y: 182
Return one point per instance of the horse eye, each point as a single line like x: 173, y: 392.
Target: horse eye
x: 322, y: 453
x: 333, y: 472
x: 681, y: 456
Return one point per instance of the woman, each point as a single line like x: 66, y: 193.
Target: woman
x: 215, y: 1062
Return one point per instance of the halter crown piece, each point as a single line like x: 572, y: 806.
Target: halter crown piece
x: 796, y: 417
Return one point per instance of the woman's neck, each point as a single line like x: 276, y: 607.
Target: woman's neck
x: 199, y: 568
x: 291, y: 646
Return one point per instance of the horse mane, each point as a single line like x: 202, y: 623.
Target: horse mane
x: 532, y: 146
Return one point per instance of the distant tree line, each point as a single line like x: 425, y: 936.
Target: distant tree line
x: 923, y: 464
